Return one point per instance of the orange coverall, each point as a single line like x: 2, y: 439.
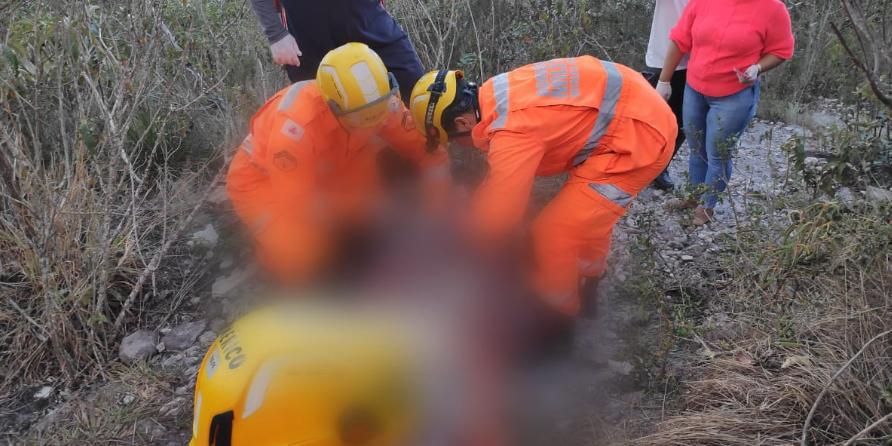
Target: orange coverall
x: 300, y: 175
x: 601, y: 122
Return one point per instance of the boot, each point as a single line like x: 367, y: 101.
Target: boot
x: 546, y: 334
x: 703, y: 215
x: 588, y: 292
x: 664, y: 182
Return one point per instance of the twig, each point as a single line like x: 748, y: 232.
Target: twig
x: 868, y: 429
x: 814, y: 407
x: 44, y: 336
x: 870, y: 75
x: 477, y: 38
x: 156, y: 259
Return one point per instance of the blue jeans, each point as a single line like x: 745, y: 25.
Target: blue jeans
x: 713, y: 126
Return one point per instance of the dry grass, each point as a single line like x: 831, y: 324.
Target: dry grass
x: 114, y: 120
x: 125, y: 410
x: 114, y: 117
x: 814, y: 315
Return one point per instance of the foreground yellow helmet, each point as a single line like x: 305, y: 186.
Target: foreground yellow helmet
x: 304, y: 376
x: 433, y: 94
x: 356, y: 85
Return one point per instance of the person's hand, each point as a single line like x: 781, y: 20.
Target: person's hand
x: 750, y: 75
x: 285, y: 51
x: 665, y: 90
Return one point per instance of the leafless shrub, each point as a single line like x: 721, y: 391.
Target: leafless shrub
x: 113, y: 120
x: 486, y: 37
x: 872, y: 55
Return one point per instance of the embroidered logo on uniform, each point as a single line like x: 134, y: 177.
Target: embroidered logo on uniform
x: 284, y: 160
x: 292, y: 130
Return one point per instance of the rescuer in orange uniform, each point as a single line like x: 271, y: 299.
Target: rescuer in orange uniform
x: 308, y: 166
x: 600, y: 121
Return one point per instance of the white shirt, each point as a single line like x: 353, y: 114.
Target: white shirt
x: 666, y: 15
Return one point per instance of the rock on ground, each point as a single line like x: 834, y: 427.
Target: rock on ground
x: 43, y: 393
x: 227, y: 285
x: 138, y: 346
x: 878, y: 195
x: 184, y: 335
x: 207, y: 237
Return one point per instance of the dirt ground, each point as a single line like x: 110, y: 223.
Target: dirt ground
x: 628, y: 362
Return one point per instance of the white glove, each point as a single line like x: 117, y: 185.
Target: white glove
x: 285, y: 51
x: 665, y: 90
x: 750, y: 75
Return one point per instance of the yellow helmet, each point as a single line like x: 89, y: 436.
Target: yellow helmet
x: 435, y: 92
x: 357, y: 85
x: 307, y: 376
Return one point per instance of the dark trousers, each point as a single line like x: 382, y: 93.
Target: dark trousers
x: 676, y: 101
x: 320, y: 26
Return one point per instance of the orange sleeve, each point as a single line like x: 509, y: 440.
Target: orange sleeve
x: 502, y: 199
x: 400, y: 133
x: 273, y: 188
x: 290, y: 161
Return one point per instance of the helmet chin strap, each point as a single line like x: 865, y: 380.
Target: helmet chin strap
x: 436, y: 89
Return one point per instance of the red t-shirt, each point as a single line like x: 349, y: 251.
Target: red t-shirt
x: 724, y: 35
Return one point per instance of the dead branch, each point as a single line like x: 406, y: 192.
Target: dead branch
x: 872, y: 78
x: 159, y: 255
x: 867, y: 429
x: 869, y: 43
x: 814, y: 407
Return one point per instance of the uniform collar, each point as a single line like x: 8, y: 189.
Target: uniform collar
x: 480, y: 135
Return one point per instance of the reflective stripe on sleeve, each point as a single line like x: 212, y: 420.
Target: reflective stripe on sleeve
x: 618, y: 196
x: 291, y: 95
x: 606, y: 112
x: 500, y: 89
x: 248, y: 145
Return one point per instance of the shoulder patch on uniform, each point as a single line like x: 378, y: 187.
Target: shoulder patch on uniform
x: 292, y: 130
x: 284, y: 160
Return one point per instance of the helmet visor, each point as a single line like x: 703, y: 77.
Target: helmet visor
x: 371, y: 114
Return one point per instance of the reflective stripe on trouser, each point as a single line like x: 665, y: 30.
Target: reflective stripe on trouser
x: 572, y: 235
x: 573, y: 230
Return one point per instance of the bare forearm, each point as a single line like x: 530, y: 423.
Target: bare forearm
x: 673, y: 57
x: 769, y: 62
